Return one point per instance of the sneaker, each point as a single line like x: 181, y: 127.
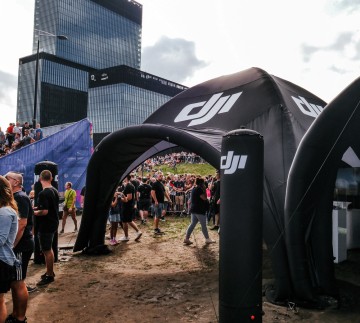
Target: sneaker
x: 62, y: 231
x: 215, y: 227
x: 46, y: 280
x: 187, y: 242
x: 44, y: 275
x: 11, y: 319
x: 31, y: 289
x: 158, y: 231
x: 113, y: 242
x: 162, y: 218
x: 208, y: 241
x: 143, y: 221
x: 124, y: 239
x: 138, y: 236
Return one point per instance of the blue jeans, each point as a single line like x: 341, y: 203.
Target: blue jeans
x: 195, y: 218
x: 158, y: 209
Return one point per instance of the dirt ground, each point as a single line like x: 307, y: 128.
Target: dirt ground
x: 158, y: 279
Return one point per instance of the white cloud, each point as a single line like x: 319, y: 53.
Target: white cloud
x: 315, y: 44
x: 173, y: 59
x: 16, y: 24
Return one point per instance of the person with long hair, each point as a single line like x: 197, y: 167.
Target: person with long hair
x: 8, y: 230
x: 198, y: 208
x: 23, y: 248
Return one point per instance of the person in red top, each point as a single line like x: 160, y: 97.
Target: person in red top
x: 10, y: 136
x: 10, y: 128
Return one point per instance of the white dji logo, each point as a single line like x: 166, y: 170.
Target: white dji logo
x: 312, y: 110
x: 216, y: 104
x: 231, y: 163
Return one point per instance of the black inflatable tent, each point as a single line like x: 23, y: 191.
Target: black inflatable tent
x: 196, y: 119
x: 310, y: 192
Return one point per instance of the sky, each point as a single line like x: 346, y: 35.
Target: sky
x: 314, y: 44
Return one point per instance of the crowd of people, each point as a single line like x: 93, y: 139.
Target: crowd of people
x: 21, y: 220
x: 157, y: 195
x: 18, y: 135
x: 171, y: 160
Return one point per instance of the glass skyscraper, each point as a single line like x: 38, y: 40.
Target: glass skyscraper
x: 95, y: 73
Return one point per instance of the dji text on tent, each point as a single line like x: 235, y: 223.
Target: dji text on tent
x: 232, y: 162
x: 215, y: 105
x: 307, y: 108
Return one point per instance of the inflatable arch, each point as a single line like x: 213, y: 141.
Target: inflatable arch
x: 196, y: 119
x: 116, y: 156
x: 310, y: 194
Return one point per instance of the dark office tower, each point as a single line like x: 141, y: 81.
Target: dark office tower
x: 102, y: 33
x: 74, y: 43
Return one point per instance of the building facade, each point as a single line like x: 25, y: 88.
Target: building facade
x: 93, y: 72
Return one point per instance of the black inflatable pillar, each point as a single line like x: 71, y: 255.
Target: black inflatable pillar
x: 53, y: 168
x: 241, y: 218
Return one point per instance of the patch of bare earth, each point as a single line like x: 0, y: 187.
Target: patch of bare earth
x: 157, y: 279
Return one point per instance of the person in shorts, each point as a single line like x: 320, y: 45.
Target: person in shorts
x: 158, y: 194
x: 69, y: 206
x: 47, y: 220
x: 144, y: 199
x: 114, y: 218
x: 23, y: 248
x: 8, y: 230
x: 127, y: 198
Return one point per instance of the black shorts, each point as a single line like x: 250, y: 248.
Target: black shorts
x: 7, y: 274
x: 144, y: 205
x: 24, y: 258
x: 127, y: 215
x: 46, y: 240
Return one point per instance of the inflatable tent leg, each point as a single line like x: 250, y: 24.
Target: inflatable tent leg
x: 241, y: 212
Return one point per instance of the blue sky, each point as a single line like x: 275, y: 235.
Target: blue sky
x: 314, y: 44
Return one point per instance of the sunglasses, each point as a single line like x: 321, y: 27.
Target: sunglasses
x: 8, y: 177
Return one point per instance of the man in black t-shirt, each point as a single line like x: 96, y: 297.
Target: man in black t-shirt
x: 144, y: 199
x: 47, y: 220
x: 136, y: 183
x: 179, y: 187
x: 26, y: 126
x: 158, y: 193
x: 127, y: 210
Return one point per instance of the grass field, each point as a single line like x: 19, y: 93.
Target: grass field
x: 197, y: 169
